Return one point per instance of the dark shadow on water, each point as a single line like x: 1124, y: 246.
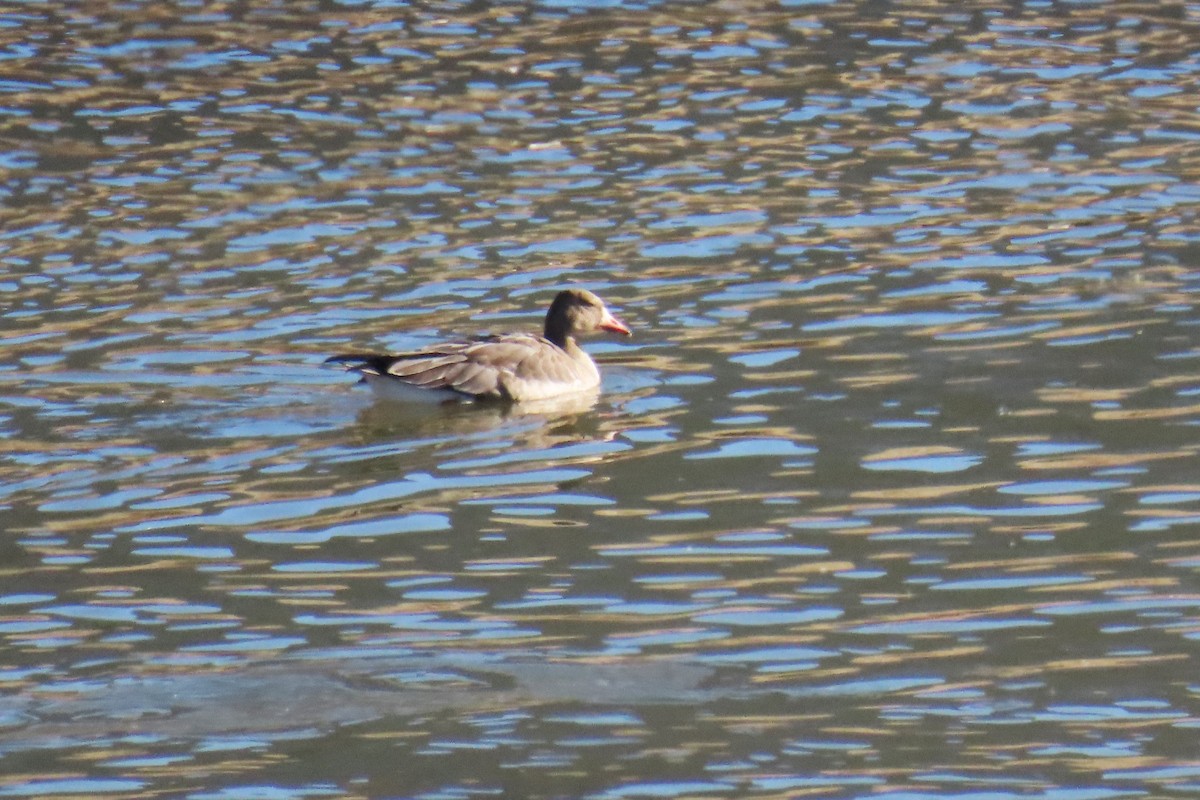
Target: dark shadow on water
x: 328, y: 690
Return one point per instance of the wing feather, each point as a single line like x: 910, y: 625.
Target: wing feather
x: 512, y: 366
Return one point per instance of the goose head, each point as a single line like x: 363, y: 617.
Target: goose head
x: 576, y: 312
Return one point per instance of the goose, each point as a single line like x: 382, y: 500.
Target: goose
x: 514, y: 367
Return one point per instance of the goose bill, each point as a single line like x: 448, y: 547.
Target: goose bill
x: 611, y: 323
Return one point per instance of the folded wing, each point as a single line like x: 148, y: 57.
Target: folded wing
x: 493, y: 367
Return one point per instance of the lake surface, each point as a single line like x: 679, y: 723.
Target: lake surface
x: 892, y: 494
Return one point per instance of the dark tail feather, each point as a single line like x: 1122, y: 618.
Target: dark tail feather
x: 362, y: 362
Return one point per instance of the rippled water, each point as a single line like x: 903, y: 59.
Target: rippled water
x: 892, y: 494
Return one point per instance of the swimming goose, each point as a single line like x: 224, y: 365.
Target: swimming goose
x: 509, y: 366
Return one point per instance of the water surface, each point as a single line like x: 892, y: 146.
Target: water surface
x: 892, y: 493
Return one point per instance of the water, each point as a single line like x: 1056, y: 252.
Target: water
x: 892, y: 493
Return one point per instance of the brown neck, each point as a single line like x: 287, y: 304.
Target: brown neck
x: 556, y: 331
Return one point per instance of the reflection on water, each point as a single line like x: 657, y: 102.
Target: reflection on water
x: 892, y: 494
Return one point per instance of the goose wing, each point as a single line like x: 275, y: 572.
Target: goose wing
x: 490, y: 367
